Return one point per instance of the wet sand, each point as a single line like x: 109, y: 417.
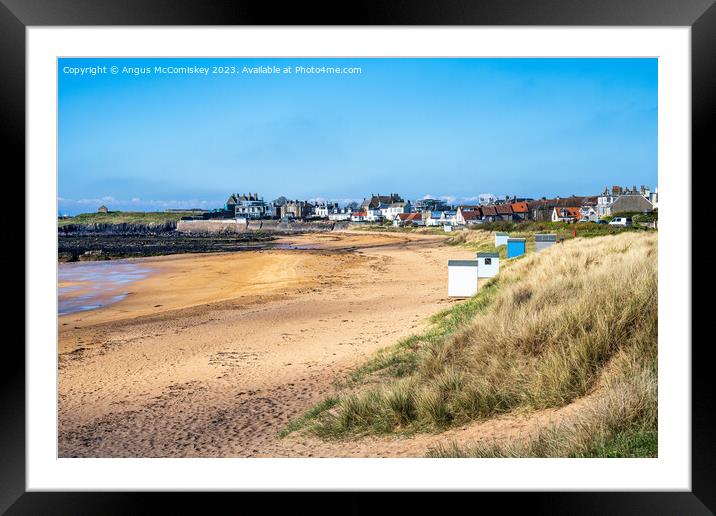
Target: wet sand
x: 211, y: 355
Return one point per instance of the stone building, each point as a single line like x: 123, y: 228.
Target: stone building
x: 249, y: 205
x: 625, y: 200
x: 296, y: 209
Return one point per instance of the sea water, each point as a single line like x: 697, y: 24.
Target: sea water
x: 91, y: 285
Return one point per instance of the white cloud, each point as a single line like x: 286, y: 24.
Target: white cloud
x: 135, y: 203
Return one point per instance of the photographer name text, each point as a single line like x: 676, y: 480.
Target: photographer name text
x: 93, y: 71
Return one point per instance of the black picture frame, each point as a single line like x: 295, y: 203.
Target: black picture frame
x: 17, y: 15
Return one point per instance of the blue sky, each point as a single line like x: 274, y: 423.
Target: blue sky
x: 452, y: 128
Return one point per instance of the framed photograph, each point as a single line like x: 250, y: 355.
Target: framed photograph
x: 417, y: 250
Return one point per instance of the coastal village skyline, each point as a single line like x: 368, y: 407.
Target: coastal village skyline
x: 445, y: 128
x: 111, y: 204
x: 244, y: 208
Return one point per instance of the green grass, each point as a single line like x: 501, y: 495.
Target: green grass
x: 563, y: 230
x: 618, y: 422
x: 635, y: 443
x: 311, y: 414
x: 121, y: 217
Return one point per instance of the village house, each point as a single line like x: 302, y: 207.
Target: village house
x: 588, y: 214
x: 566, y: 214
x: 442, y: 218
x: 323, y: 209
x: 605, y: 200
x: 625, y: 200
x: 358, y: 216
x: 389, y: 211
x: 377, y: 200
x: 504, y: 212
x: 408, y: 219
x: 296, y: 210
x: 373, y: 215
x: 429, y: 204
x: 520, y: 210
x: 338, y: 214
x: 468, y: 215
x: 247, y: 205
x: 489, y: 213
x: 543, y: 209
x: 630, y: 203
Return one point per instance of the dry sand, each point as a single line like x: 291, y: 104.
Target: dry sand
x: 213, y: 354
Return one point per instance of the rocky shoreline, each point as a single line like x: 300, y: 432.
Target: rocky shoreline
x: 90, y: 246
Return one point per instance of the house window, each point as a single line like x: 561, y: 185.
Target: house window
x: 488, y: 261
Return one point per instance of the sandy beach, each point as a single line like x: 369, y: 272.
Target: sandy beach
x: 212, y: 354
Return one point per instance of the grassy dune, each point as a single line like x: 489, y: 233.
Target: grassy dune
x: 579, y: 319
x: 120, y: 217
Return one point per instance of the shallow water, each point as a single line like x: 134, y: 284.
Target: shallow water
x: 91, y: 285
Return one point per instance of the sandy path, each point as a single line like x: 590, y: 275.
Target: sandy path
x: 214, y: 354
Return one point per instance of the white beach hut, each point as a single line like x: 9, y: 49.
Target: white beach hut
x: 462, y: 278
x: 501, y: 238
x: 488, y: 264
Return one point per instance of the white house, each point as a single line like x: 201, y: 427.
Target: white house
x: 389, y: 211
x: 408, y: 219
x: 339, y: 214
x: 488, y: 264
x: 358, y: 216
x: 373, y: 215
x: 324, y: 209
x: 566, y: 214
x: 448, y: 217
x: 442, y: 218
x: 605, y: 200
x: 588, y: 214
x: 343, y: 215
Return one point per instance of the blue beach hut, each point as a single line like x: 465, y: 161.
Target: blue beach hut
x: 515, y: 247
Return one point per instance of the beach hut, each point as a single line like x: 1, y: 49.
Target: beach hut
x: 515, y: 247
x: 488, y: 264
x: 501, y: 239
x: 544, y: 241
x: 447, y: 228
x: 462, y: 278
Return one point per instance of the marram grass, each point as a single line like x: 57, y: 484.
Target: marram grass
x: 577, y: 319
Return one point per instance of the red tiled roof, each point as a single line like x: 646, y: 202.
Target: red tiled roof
x: 519, y: 207
x: 503, y: 209
x: 489, y: 211
x: 569, y: 211
x: 471, y: 215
